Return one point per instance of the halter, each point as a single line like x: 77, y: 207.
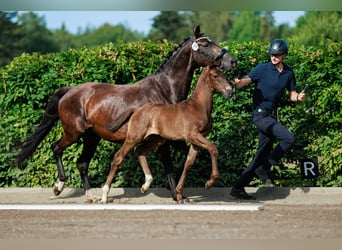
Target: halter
x: 195, y: 47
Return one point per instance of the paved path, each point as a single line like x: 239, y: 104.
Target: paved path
x: 287, y: 213
x: 213, y: 196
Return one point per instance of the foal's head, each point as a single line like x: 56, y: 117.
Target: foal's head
x: 218, y: 82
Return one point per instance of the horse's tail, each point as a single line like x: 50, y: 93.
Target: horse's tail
x: 49, y: 120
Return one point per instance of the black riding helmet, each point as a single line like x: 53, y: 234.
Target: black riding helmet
x: 278, y: 47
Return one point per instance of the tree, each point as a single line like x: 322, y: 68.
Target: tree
x: 10, y: 35
x: 257, y: 26
x: 267, y: 26
x: 107, y: 33
x: 36, y: 37
x: 64, y: 39
x: 318, y: 26
x: 171, y: 25
x: 246, y: 27
x: 215, y: 24
x: 284, y: 30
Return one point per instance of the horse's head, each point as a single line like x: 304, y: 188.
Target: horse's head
x: 206, y: 52
x: 218, y: 81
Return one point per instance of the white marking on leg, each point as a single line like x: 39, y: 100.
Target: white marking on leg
x: 105, y: 191
x: 60, y: 185
x: 147, y: 184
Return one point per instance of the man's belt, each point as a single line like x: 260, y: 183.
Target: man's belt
x: 268, y: 111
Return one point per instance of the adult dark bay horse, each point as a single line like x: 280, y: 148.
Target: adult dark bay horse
x: 92, y: 111
x: 189, y: 120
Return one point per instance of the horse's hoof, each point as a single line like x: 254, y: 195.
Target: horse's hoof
x: 92, y: 200
x: 55, y: 190
x: 167, y: 185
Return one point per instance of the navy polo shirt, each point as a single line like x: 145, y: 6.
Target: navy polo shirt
x: 270, y: 84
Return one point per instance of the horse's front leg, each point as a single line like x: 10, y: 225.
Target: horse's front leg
x: 164, y: 152
x: 190, y: 160
x: 83, y: 168
x: 90, y: 142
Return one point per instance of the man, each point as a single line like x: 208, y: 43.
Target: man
x: 271, y: 79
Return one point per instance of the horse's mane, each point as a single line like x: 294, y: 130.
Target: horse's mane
x: 170, y: 54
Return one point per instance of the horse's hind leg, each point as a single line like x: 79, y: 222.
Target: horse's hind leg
x: 57, y: 149
x: 58, y: 153
x: 90, y: 142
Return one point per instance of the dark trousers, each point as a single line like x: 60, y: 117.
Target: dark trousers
x: 270, y: 130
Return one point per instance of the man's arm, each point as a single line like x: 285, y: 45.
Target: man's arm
x: 240, y: 83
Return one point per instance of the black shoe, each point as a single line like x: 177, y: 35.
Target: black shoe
x: 263, y: 176
x: 241, y: 194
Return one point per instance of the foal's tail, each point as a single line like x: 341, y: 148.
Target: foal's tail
x: 49, y: 120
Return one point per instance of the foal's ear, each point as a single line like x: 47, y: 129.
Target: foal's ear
x: 197, y: 31
x: 215, y: 64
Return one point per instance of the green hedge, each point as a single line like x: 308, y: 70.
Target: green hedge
x: 29, y: 80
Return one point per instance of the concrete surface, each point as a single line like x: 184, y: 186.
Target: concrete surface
x: 217, y: 196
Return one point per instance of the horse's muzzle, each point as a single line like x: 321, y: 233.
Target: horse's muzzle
x: 228, y: 93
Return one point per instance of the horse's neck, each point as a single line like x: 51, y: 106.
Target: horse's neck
x: 202, y: 96
x: 180, y: 69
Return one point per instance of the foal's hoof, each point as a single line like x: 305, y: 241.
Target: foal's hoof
x: 109, y: 200
x: 143, y: 190
x: 208, y: 185
x: 184, y: 200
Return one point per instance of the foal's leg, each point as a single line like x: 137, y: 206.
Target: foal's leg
x: 117, y: 160
x: 147, y: 172
x: 90, y: 142
x: 190, y: 160
x: 197, y: 141
x: 141, y: 151
x: 200, y: 141
x: 212, y: 149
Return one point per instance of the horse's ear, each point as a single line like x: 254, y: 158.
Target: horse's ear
x: 197, y: 31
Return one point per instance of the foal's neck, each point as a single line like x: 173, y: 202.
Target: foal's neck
x: 202, y: 95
